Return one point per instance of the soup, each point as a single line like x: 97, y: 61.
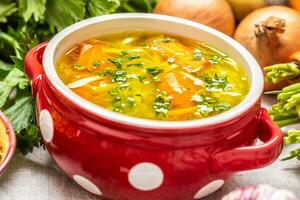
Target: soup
x: 4, y: 142
x: 154, y: 76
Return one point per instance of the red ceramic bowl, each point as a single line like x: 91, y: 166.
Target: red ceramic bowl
x: 126, y: 158
x: 11, y: 142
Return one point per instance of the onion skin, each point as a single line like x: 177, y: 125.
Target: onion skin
x: 271, y: 34
x: 214, y: 13
x: 295, y: 56
x: 243, y: 8
x: 260, y: 192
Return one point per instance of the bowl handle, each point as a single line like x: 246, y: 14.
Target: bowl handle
x: 252, y: 157
x: 33, y: 66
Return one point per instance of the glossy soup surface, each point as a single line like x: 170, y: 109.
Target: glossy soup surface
x: 154, y: 76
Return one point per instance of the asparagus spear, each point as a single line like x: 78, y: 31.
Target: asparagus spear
x: 293, y: 137
x: 278, y: 72
x: 287, y: 111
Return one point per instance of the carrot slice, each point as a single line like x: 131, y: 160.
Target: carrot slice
x: 180, y: 88
x: 93, y: 54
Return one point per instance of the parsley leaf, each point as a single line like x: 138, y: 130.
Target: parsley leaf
x: 22, y: 117
x: 134, y: 57
x: 20, y: 114
x: 215, y: 59
x: 117, y: 61
x: 15, y: 97
x: 6, y: 9
x: 79, y: 67
x: 162, y: 103
x: 35, y: 8
x: 167, y: 40
x: 223, y: 106
x: 217, y: 83
x: 102, y: 7
x: 26, y: 42
x: 119, y: 76
x: 14, y: 78
x: 154, y: 71
x: 197, y: 54
x: 120, y: 102
x: 5, y: 68
x: 207, y: 105
x: 62, y: 13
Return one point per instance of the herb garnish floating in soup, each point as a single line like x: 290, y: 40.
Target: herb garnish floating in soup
x: 154, y: 76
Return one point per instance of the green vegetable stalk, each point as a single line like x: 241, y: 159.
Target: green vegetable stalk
x: 19, y: 21
x: 287, y: 111
x: 293, y: 137
x: 279, y: 72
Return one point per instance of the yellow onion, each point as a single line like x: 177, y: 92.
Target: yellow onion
x: 214, y: 13
x: 271, y: 34
x: 242, y: 8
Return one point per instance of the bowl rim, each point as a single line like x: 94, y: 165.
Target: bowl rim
x: 254, y: 94
x: 12, y: 142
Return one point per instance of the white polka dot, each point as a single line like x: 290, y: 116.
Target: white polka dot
x: 145, y: 176
x: 46, y: 125
x: 209, y: 188
x: 87, y: 184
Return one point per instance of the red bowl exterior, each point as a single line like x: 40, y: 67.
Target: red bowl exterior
x: 126, y: 162
x: 12, y: 142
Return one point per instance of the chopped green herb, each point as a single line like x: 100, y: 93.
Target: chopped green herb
x: 207, y: 105
x: 162, y: 103
x: 190, y: 118
x: 154, y: 71
x: 120, y: 102
x: 215, y: 59
x: 119, y: 76
x: 130, y: 102
x: 105, y: 72
x: 117, y: 61
x: 205, y: 110
x: 133, y: 57
x: 223, y: 106
x: 216, y: 83
x: 95, y: 64
x: 141, y: 97
x: 141, y: 78
x: 79, y: 67
x: 135, y: 65
x: 203, y: 99
x: 167, y: 40
x: 197, y: 54
x: 124, y: 53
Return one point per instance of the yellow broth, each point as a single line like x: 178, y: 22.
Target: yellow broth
x: 154, y: 76
x: 4, y: 142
